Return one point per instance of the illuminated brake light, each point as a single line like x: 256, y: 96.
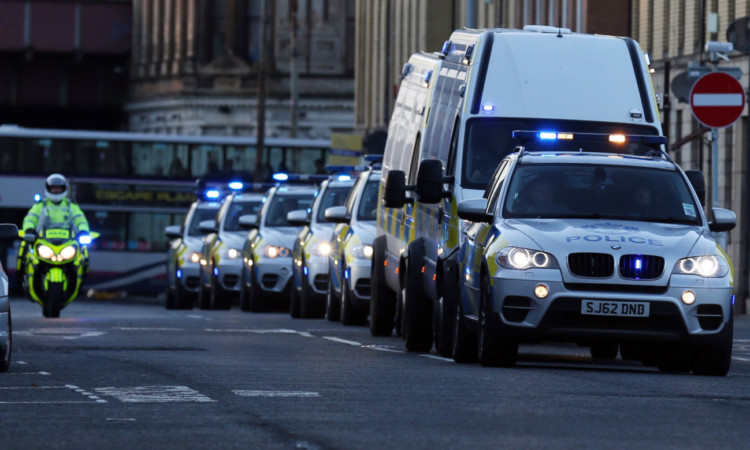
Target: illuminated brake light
x: 617, y: 138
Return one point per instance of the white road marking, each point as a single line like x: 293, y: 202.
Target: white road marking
x: 439, y: 358
x: 381, y: 348
x: 196, y: 316
x: 147, y: 329
x: 60, y: 333
x: 305, y: 334
x: 259, y: 331
x: 301, y: 394
x: 154, y: 394
x: 67, y: 386
x: 741, y: 359
x: 27, y: 373
x: 20, y: 362
x: 87, y: 394
x: 116, y: 419
x: 343, y: 341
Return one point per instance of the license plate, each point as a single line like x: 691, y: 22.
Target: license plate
x: 618, y: 309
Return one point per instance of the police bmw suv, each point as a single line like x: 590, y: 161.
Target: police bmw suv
x: 598, y: 247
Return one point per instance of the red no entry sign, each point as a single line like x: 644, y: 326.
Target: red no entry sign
x: 717, y: 99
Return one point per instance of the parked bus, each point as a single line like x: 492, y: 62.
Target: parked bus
x: 132, y: 185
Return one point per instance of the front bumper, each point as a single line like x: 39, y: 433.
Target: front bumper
x: 520, y: 315
x: 229, y: 273
x: 359, y: 280
x: 190, y: 277
x: 317, y: 274
x: 274, y: 275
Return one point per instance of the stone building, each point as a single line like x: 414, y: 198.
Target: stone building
x: 195, y: 66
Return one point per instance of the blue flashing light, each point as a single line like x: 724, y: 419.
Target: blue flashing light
x: 280, y: 176
x: 216, y: 271
x: 179, y: 273
x: 547, y: 135
x: 84, y: 240
x: 305, y: 270
x: 309, y: 210
x: 37, y: 198
x: 346, y: 273
x: 213, y: 193
x: 733, y: 297
x: 638, y: 264
x: 264, y: 199
x: 236, y: 185
x: 488, y: 107
x: 345, y: 177
x: 446, y: 47
x: 317, y: 192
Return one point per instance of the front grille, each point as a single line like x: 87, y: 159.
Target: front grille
x: 591, y: 265
x: 231, y: 280
x: 269, y: 280
x: 192, y: 282
x: 710, y: 317
x: 362, y: 288
x: 641, y: 267
x: 321, y: 282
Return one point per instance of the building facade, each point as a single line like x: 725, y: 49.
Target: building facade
x: 675, y: 33
x: 195, y: 67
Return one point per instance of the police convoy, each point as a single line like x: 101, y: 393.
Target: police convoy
x: 507, y: 212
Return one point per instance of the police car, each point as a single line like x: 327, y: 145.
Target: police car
x: 8, y: 232
x: 184, y: 253
x: 222, y: 246
x: 617, y: 253
x: 267, y: 252
x: 312, y: 247
x: 351, y: 252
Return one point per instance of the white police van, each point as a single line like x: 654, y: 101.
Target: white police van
x: 578, y: 240
x: 450, y: 128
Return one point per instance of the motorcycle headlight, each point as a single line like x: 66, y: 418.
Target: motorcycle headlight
x: 194, y: 257
x: 323, y: 249
x: 524, y: 258
x: 68, y: 252
x: 362, y: 251
x: 275, y: 251
x: 706, y: 266
x: 45, y: 252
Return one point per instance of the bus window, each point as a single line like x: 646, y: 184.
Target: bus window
x: 8, y: 154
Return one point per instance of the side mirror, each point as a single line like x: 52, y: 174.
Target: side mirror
x: 249, y: 222
x: 337, y: 214
x: 298, y: 217
x: 8, y: 232
x: 724, y: 220
x: 173, y: 232
x: 475, y: 210
x: 207, y: 226
x: 394, y: 191
x: 430, y: 181
x: 698, y: 181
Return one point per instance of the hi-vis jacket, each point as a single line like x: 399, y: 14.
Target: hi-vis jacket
x: 65, y: 212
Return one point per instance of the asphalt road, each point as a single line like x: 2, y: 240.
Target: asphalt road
x: 129, y: 374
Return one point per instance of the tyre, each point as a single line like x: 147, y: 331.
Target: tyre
x: 673, y: 358
x: 417, y: 323
x: 464, y: 348
x: 382, y: 299
x: 333, y: 305
x: 6, y: 351
x: 169, y: 302
x: 604, y: 350
x: 256, y: 301
x: 311, y: 306
x: 444, y: 317
x: 493, y: 350
x: 714, y: 359
x: 219, y: 297
x: 244, y: 291
x: 54, y: 300
x: 182, y: 298
x: 350, y: 314
x: 295, y: 308
x: 204, y: 296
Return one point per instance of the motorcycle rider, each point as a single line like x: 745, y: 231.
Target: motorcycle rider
x: 56, y: 208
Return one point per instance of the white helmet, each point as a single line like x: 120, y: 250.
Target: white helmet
x: 56, y: 187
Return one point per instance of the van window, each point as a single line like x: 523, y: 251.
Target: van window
x: 489, y: 140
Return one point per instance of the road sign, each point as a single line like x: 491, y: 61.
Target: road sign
x: 717, y: 100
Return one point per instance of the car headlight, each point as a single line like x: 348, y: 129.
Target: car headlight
x: 362, y: 251
x: 275, y: 251
x: 233, y: 253
x: 45, y: 252
x: 323, y: 249
x: 68, y: 252
x: 524, y: 258
x: 194, y: 257
x: 706, y: 266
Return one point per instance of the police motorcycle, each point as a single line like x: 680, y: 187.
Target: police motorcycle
x: 55, y: 264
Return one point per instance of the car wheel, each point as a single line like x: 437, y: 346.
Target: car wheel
x: 256, y: 301
x: 169, y: 301
x: 493, y: 350
x: 219, y: 297
x: 333, y: 307
x: 417, y: 323
x: 382, y: 299
x: 464, y: 345
x: 444, y: 309
x: 244, y: 294
x: 350, y: 314
x: 673, y: 358
x: 604, y: 350
x: 182, y: 298
x: 714, y: 359
x: 311, y: 306
x: 204, y: 297
x: 294, y: 303
x: 5, y: 352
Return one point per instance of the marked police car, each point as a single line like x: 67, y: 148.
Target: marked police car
x: 267, y: 252
x: 8, y: 232
x: 351, y: 252
x: 184, y: 254
x: 595, y: 248
x: 312, y: 247
x: 221, y: 263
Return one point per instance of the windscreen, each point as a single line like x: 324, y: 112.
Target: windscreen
x: 281, y: 205
x: 333, y: 196
x: 238, y: 209
x: 368, y: 206
x: 600, y: 192
x: 199, y: 215
x: 489, y: 140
